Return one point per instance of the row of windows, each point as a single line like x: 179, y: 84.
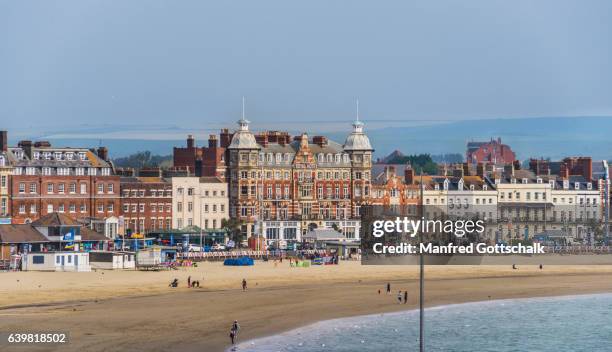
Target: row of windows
x: 71, y: 208
x: 139, y: 225
x: 207, y: 193
x: 305, y: 209
x: 142, y: 193
x: 214, y: 223
x: 62, y: 171
x: 60, y: 188
x: 207, y: 208
x: 452, y: 201
x: 394, y: 193
x: 141, y: 208
x: 59, y: 156
x: 303, y: 175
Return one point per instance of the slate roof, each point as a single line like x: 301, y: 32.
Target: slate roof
x: 20, y: 234
x: 55, y: 219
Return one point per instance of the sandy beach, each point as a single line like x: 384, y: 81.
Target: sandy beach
x: 137, y: 311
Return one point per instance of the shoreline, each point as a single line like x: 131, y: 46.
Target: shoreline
x: 288, y: 333
x: 278, y: 300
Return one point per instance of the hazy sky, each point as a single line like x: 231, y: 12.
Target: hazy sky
x: 64, y: 64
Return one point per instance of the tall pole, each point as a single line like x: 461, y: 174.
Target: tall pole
x: 421, y: 282
x: 607, y: 202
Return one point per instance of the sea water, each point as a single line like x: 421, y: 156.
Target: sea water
x: 568, y: 323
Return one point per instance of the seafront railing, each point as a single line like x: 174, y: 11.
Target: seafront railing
x: 214, y: 256
x: 578, y: 249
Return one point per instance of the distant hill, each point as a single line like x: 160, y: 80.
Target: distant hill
x: 143, y: 159
x: 553, y: 137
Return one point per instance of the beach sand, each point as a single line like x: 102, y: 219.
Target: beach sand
x: 137, y: 311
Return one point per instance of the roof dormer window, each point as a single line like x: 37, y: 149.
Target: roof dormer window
x: 539, y: 180
x: 472, y: 187
x: 565, y: 184
x: 446, y: 185
x: 524, y: 181
x: 589, y: 186
x: 576, y: 185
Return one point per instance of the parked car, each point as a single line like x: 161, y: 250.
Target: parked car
x: 194, y: 248
x: 218, y: 247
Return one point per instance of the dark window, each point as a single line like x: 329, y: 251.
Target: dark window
x: 38, y: 259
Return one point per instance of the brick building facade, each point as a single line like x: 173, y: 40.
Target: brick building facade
x: 75, y: 181
x: 202, y: 161
x: 288, y: 186
x: 492, y: 152
x: 391, y: 189
x: 146, y: 203
x: 6, y: 171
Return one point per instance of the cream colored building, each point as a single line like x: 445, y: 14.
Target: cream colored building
x: 530, y: 205
x: 199, y: 201
x: 5, y: 172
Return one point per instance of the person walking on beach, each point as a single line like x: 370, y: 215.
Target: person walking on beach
x: 244, y: 285
x: 405, y: 296
x: 232, y: 336
x: 399, y: 297
x: 235, y: 328
x: 189, y: 281
x: 388, y: 287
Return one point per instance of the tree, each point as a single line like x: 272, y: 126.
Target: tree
x: 233, y: 227
x: 597, y: 229
x: 420, y: 162
x: 142, y: 159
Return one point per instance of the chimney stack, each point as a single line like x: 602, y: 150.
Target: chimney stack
x: 190, y: 141
x: 408, y: 175
x: 212, y: 141
x: 225, y: 138
x: 458, y: 172
x: 509, y: 170
x: 3, y: 141
x: 480, y: 170
x: 389, y: 172
x: 103, y: 153
x: 27, y: 148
